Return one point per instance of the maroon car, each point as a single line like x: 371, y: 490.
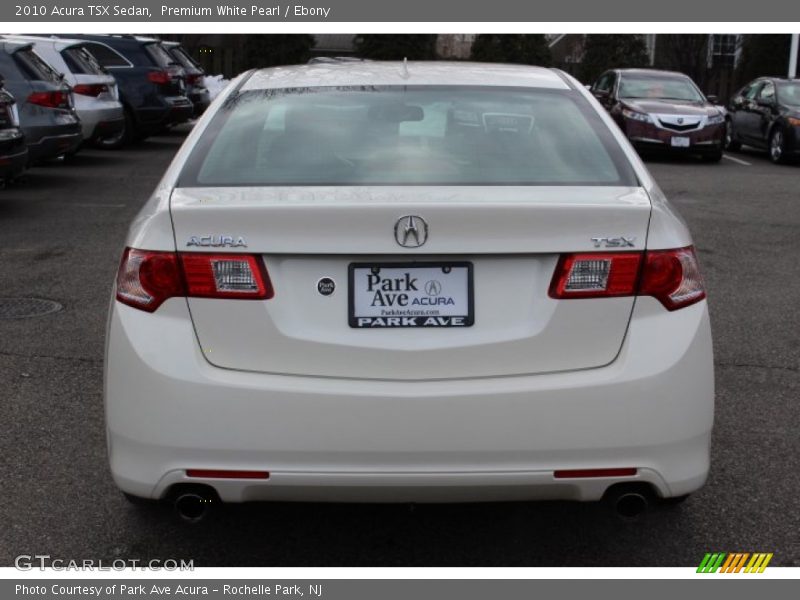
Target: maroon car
x: 663, y: 111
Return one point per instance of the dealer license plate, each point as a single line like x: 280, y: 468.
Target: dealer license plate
x: 385, y: 295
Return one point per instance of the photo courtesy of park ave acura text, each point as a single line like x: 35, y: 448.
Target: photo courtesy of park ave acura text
x: 397, y: 299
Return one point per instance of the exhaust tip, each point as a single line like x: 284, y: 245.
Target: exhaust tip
x: 630, y: 505
x: 191, y: 507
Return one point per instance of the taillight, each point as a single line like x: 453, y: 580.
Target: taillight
x: 94, y: 89
x: 596, y: 274
x: 226, y: 276
x: 159, y: 77
x: 671, y: 276
x: 147, y: 278
x: 59, y: 99
x: 193, y: 79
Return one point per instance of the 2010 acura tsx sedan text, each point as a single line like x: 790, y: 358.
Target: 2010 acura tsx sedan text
x: 367, y: 281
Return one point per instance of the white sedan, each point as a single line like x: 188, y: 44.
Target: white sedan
x: 367, y: 281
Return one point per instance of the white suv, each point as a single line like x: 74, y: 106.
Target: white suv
x: 414, y: 282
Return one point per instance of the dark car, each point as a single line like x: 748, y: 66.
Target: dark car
x: 766, y: 114
x: 44, y: 102
x: 196, y: 89
x: 13, y: 151
x: 151, y: 84
x: 663, y: 111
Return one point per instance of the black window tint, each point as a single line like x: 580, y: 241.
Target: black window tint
x: 183, y: 57
x: 106, y: 56
x: 36, y: 68
x: 80, y: 60
x: 767, y: 92
x: 750, y: 93
x: 160, y: 57
x: 605, y: 83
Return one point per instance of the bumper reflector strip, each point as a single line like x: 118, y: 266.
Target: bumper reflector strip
x: 218, y: 474
x: 582, y: 473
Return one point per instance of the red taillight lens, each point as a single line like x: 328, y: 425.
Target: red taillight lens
x: 226, y: 276
x: 147, y: 278
x: 50, y: 99
x: 95, y: 89
x: 596, y: 275
x: 671, y: 276
x: 586, y: 473
x: 193, y: 79
x: 159, y: 77
x: 220, y: 474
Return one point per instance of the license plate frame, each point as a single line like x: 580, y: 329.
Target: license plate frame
x: 419, y: 321
x: 680, y: 141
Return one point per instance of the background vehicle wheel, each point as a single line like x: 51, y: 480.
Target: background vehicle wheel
x: 731, y: 143
x: 713, y: 157
x: 121, y: 139
x: 776, y: 150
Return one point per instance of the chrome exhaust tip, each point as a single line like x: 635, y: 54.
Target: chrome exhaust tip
x: 192, y: 507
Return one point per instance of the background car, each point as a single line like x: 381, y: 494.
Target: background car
x: 196, y: 89
x: 94, y: 89
x: 44, y: 100
x: 419, y: 281
x: 13, y: 151
x: 151, y: 90
x: 662, y: 111
x: 765, y: 114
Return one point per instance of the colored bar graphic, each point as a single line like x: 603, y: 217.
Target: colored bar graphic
x: 734, y: 562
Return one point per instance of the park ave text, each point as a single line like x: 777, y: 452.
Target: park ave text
x: 285, y: 11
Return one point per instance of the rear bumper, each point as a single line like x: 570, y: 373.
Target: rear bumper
x: 13, y: 157
x: 102, y: 122
x: 200, y: 102
x: 169, y: 410
x: 171, y: 110
x: 53, y: 145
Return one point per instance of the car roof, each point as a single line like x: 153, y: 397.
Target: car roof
x: 12, y: 46
x: 58, y: 43
x: 348, y: 73
x: 653, y: 73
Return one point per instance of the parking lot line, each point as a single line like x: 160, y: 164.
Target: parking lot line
x: 737, y: 160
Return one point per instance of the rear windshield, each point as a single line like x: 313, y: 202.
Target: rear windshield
x: 662, y: 88
x: 404, y: 135
x: 35, y: 67
x: 80, y: 60
x: 161, y: 57
x: 789, y: 92
x: 181, y: 56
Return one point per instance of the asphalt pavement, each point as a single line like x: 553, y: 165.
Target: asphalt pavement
x: 61, y: 234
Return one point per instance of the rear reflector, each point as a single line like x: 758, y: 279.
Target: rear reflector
x: 218, y: 474
x: 147, y: 278
x: 671, y: 276
x: 584, y: 473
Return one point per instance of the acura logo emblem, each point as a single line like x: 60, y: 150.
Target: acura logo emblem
x: 680, y: 120
x: 411, y: 231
